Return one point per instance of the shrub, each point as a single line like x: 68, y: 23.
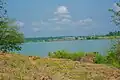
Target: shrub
x: 59, y: 54
x: 66, y: 55
x: 113, y: 56
x: 100, y: 59
x: 77, y: 55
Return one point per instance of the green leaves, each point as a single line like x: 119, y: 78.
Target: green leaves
x: 116, y: 15
x: 100, y: 59
x: 118, y: 4
x: 66, y: 55
x: 10, y: 38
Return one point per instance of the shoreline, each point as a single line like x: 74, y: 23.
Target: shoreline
x: 71, y: 40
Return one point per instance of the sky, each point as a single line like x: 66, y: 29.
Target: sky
x: 43, y: 18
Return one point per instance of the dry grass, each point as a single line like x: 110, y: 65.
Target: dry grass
x: 19, y: 67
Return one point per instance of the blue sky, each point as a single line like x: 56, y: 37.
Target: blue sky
x: 62, y: 17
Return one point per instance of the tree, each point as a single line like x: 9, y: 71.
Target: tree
x: 116, y: 15
x: 10, y: 37
x: 76, y: 38
x: 114, y: 53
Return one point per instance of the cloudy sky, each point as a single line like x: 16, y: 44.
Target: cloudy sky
x: 62, y: 17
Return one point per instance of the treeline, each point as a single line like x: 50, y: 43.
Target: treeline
x: 63, y: 38
x: 116, y: 33
x: 42, y: 39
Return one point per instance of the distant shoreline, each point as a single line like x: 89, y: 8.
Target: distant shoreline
x: 59, y: 40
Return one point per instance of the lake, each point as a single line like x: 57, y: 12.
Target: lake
x: 42, y: 48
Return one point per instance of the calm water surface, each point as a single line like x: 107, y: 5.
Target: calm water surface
x: 42, y: 48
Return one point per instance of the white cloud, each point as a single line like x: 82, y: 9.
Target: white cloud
x: 54, y: 19
x: 87, y: 21
x: 116, y: 7
x: 39, y: 23
x: 61, y: 15
x: 64, y: 21
x: 61, y: 21
x: 36, y: 29
x: 58, y: 28
x: 65, y: 16
x: 61, y: 10
x: 36, y: 23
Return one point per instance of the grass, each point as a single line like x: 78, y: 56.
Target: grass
x: 66, y: 55
x: 77, y: 56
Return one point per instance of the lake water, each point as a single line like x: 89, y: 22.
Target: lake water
x: 42, y: 48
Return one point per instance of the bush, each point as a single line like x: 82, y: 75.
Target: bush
x: 113, y: 56
x: 66, y: 55
x: 59, y: 54
x: 100, y: 59
x: 77, y: 55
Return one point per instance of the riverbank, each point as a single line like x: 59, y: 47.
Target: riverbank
x: 71, y: 38
x: 20, y: 67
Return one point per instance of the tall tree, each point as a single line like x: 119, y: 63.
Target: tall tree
x: 10, y: 37
x: 114, y: 55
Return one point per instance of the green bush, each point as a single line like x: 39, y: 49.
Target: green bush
x: 59, y: 54
x: 77, y: 55
x: 113, y: 56
x: 100, y: 59
x: 66, y: 55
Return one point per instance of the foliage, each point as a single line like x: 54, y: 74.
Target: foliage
x: 100, y: 59
x: 10, y: 37
x: 116, y: 15
x: 116, y: 33
x: 3, y: 11
x: 76, y: 56
x: 66, y: 55
x: 113, y: 56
